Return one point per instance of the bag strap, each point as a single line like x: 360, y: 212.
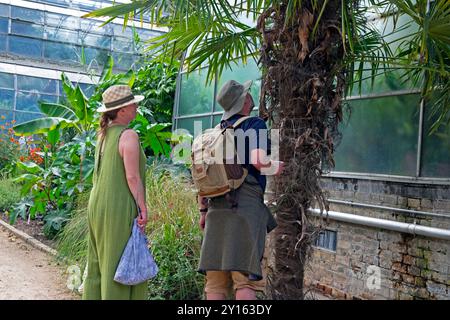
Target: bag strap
x: 236, y: 124
x: 239, y: 121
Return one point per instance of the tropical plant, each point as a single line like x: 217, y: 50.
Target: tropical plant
x: 157, y: 82
x: 153, y: 136
x: 424, y: 54
x: 75, y: 114
x: 174, y: 234
x: 310, y: 51
x: 40, y: 183
x: 10, y: 148
x: 9, y: 194
x: 72, y: 242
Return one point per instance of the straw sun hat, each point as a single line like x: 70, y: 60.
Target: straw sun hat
x: 118, y: 96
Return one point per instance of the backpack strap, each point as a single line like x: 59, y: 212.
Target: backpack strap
x: 236, y: 124
x: 239, y: 121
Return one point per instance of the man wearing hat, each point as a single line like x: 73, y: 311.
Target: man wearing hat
x: 234, y: 239
x: 117, y: 193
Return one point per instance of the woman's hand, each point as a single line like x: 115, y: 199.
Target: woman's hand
x: 142, y: 220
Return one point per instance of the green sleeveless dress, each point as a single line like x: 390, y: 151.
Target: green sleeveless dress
x: 111, y: 211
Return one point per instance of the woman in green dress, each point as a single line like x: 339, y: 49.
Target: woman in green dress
x: 118, y: 188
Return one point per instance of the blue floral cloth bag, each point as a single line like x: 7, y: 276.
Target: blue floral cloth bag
x: 136, y: 264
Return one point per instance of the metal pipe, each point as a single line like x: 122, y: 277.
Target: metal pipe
x: 419, y: 139
x: 386, y: 177
x: 385, y: 224
x: 382, y: 95
x: 375, y: 206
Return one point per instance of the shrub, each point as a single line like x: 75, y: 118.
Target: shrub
x: 73, y: 239
x: 174, y: 237
x: 10, y: 148
x: 9, y: 194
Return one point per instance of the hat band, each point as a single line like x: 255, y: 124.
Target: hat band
x: 119, y: 102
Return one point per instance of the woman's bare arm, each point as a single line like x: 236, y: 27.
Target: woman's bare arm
x: 129, y: 149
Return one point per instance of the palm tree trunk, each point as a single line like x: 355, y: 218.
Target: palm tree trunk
x: 301, y: 92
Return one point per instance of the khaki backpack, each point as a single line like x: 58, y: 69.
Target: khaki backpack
x: 213, y: 175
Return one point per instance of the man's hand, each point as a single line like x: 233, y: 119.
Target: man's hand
x: 276, y: 168
x: 202, y: 221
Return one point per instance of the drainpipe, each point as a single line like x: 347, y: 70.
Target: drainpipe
x: 385, y: 224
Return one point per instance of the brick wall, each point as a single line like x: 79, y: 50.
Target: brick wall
x: 410, y: 267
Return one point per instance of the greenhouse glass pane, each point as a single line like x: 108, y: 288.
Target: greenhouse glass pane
x: 380, y: 136
x: 189, y: 123
x: 90, y: 26
x: 242, y: 73
x: 61, y: 52
x: 436, y: 149
x: 118, y: 31
x: 62, y: 21
x: 3, y: 39
x: 86, y: 5
x: 195, y: 96
x: 26, y: 116
x: 6, y: 80
x: 61, y: 3
x: 4, y: 10
x: 9, y: 116
x: 28, y: 101
x: 99, y: 56
x: 25, y: 46
x: 27, y: 29
x: 145, y: 34
x: 95, y: 40
x: 216, y: 120
x: 3, y: 25
x: 62, y: 35
x: 6, y: 99
x: 88, y: 89
x: 27, y: 14
x: 40, y: 85
x: 122, y: 44
x: 123, y: 61
x: 387, y: 80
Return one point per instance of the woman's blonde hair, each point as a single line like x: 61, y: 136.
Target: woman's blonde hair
x: 105, y: 119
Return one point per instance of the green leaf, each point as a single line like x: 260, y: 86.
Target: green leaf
x: 57, y: 110
x: 79, y: 104
x: 53, y: 136
x: 56, y: 171
x: 156, y: 127
x: 67, y: 85
x: 30, y: 167
x: 41, y: 125
x: 107, y: 70
x: 116, y: 10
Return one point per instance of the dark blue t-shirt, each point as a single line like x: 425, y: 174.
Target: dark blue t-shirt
x: 257, y: 142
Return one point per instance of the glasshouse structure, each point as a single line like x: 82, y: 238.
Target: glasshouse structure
x: 386, y: 234
x: 41, y: 39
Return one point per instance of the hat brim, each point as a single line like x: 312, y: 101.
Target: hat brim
x: 135, y: 100
x: 239, y: 104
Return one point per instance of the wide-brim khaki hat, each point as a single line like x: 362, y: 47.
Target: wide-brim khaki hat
x: 118, y: 96
x: 232, y: 97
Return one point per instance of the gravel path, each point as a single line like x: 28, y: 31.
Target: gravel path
x: 29, y: 274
